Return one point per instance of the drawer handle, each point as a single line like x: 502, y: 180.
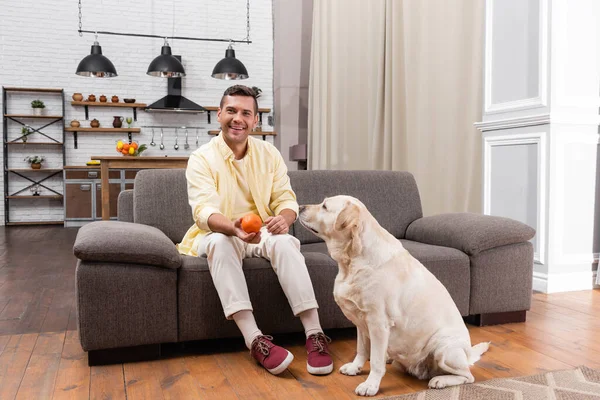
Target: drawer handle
x: 85, y: 188
x: 92, y: 174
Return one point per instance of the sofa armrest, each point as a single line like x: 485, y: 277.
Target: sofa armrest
x: 125, y: 242
x: 125, y: 206
x: 468, y: 232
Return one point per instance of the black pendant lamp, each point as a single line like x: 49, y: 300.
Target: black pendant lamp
x: 165, y: 65
x: 96, y: 65
x: 230, y: 68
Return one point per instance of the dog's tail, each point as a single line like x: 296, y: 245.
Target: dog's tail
x: 477, y: 351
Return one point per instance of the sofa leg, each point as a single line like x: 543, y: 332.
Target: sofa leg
x: 496, y: 318
x: 124, y: 355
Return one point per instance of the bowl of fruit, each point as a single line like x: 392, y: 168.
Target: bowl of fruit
x: 132, y: 149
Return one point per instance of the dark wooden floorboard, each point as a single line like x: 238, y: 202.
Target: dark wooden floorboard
x: 37, y: 279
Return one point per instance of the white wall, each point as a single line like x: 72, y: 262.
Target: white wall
x: 540, y: 129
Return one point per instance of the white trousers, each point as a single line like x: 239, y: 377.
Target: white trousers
x: 225, y: 255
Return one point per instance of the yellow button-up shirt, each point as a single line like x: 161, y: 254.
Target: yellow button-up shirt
x: 212, y: 184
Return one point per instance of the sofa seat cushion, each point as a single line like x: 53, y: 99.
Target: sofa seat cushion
x: 125, y: 242
x: 201, y: 313
x: 449, y: 265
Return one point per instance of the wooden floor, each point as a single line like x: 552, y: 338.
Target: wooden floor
x: 41, y: 358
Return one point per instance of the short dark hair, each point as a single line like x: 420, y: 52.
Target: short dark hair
x: 240, y: 90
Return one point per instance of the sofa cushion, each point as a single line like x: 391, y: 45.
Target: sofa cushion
x: 160, y: 199
x: 449, y: 265
x: 392, y: 197
x: 201, y: 314
x: 469, y: 232
x: 125, y: 242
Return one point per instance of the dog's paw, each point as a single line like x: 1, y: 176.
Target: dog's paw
x: 437, y: 383
x: 350, y: 369
x: 367, y: 389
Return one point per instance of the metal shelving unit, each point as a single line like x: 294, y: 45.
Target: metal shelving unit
x: 25, y: 173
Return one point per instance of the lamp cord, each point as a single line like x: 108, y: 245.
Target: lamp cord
x: 80, y: 26
x: 247, y: 20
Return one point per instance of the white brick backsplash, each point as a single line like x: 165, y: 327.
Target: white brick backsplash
x: 40, y: 47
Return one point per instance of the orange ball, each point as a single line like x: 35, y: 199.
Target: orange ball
x: 251, y: 223
x: 126, y: 146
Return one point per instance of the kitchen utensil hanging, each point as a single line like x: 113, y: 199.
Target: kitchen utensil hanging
x: 152, y: 141
x: 162, y: 143
x: 186, y: 145
x: 176, y: 147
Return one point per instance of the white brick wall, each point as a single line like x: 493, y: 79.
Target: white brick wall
x: 40, y: 47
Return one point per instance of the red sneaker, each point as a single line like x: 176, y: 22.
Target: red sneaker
x: 275, y: 359
x: 319, y: 361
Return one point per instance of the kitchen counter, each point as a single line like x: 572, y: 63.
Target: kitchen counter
x: 126, y: 162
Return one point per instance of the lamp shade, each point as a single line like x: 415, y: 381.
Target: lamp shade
x: 96, y: 65
x: 165, y: 65
x: 230, y: 68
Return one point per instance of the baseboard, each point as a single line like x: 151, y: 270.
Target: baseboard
x: 564, y: 282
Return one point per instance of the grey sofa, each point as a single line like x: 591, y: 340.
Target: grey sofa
x: 135, y: 292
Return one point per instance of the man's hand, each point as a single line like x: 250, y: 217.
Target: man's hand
x: 242, y: 234
x: 277, y: 225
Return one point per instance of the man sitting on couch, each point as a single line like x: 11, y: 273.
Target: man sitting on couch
x: 229, y: 177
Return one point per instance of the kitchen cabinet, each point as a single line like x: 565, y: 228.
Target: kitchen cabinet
x: 83, y: 188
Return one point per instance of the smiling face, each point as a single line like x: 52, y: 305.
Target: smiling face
x: 237, y: 118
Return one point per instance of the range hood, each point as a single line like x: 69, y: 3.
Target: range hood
x: 174, y: 101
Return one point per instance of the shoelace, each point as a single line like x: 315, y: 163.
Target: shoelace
x: 260, y: 345
x: 320, y: 341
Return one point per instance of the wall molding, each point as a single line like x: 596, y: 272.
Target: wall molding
x: 541, y: 100
x: 538, y: 138
x: 533, y: 120
x: 565, y: 282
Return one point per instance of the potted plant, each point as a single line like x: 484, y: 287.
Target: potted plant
x: 35, y: 161
x: 25, y: 131
x: 257, y: 92
x: 38, y: 107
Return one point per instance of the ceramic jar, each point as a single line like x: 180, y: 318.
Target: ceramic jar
x: 115, y: 99
x: 77, y: 96
x: 95, y: 123
x: 103, y: 99
x: 118, y: 121
x: 75, y: 124
x: 91, y: 98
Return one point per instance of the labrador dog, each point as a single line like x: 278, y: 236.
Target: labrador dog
x: 400, y: 309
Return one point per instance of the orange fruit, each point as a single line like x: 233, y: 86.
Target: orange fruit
x: 124, y: 151
x: 126, y: 146
x: 134, y: 145
x: 251, y: 223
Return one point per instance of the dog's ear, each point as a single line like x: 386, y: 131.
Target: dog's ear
x: 349, y: 219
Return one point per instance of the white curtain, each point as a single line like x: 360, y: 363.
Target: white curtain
x: 397, y: 85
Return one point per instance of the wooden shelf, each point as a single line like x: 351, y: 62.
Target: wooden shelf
x: 37, y: 143
x: 33, y: 116
x: 36, y: 197
x: 106, y: 130
x: 107, y: 104
x: 34, y: 170
x: 39, y: 90
x: 36, y: 222
x: 256, y: 133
